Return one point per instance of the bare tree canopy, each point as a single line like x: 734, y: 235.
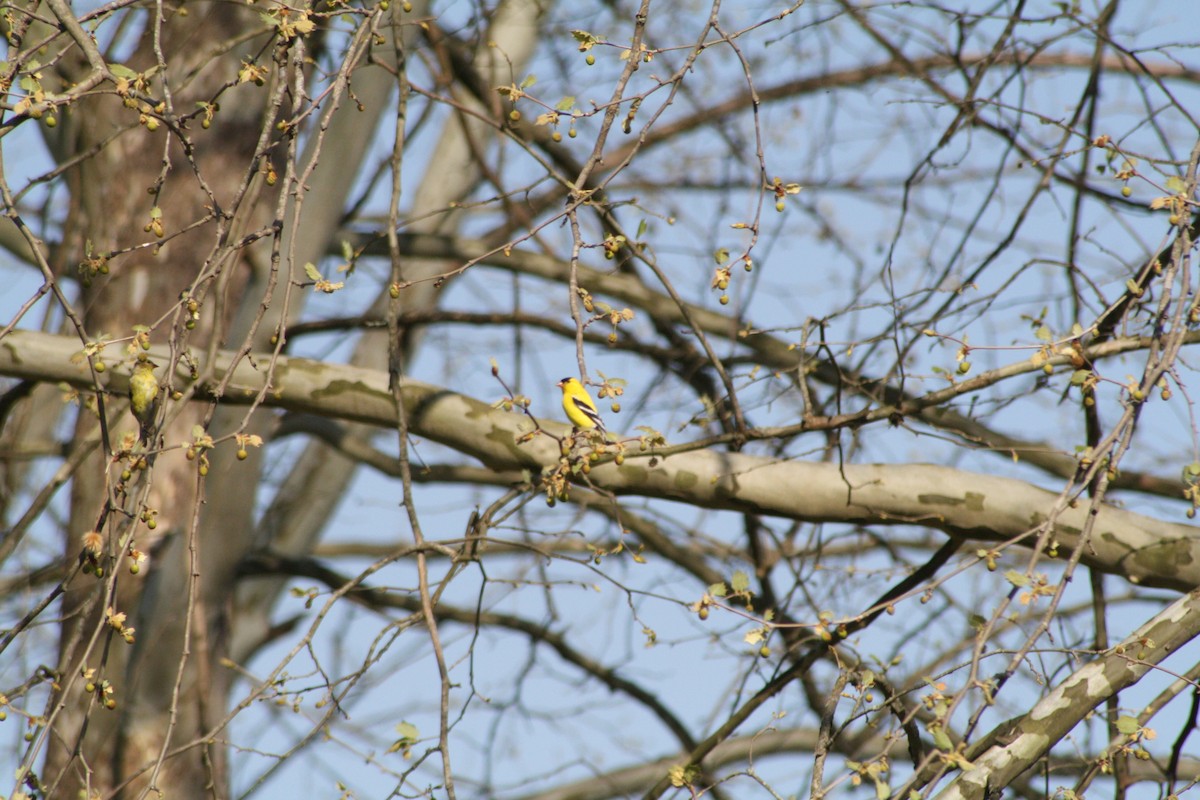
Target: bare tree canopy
x: 880, y: 316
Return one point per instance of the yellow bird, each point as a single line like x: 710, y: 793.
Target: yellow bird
x: 578, y: 404
x: 143, y: 398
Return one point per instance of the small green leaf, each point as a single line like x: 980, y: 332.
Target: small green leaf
x: 530, y: 80
x: 407, y: 730
x: 1044, y: 334
x: 1016, y: 578
x: 717, y: 590
x: 642, y: 228
x: 1128, y: 725
x: 721, y: 255
x: 681, y: 775
x: 347, y: 251
x: 586, y: 40
x: 1176, y: 184
x: 1080, y: 376
x: 566, y: 104
x: 122, y: 71
x: 942, y: 741
x: 740, y: 582
x: 310, y: 269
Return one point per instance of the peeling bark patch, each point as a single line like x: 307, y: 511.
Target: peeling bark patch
x: 1095, y: 684
x: 1098, y: 684
x: 686, y: 480
x: 1026, y: 747
x: 336, y: 388
x: 972, y: 501
x: 634, y: 475
x: 1165, y: 557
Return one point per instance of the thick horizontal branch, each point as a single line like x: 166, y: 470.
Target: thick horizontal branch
x: 886, y: 402
x: 1139, y: 548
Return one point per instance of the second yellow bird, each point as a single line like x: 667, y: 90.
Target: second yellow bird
x: 144, y: 398
x: 580, y: 407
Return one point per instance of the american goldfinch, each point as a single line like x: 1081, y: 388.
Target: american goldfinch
x: 143, y: 398
x: 578, y: 404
